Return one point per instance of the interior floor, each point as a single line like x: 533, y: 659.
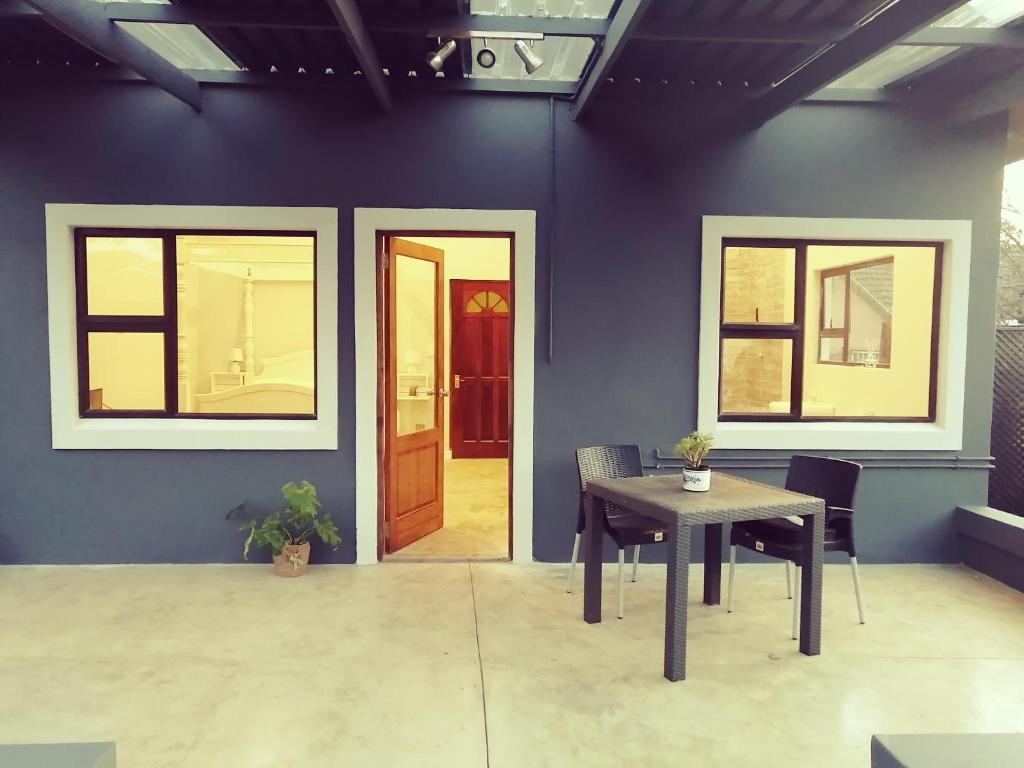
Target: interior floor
x: 469, y: 665
x: 475, y: 515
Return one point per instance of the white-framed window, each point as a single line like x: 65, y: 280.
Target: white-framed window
x: 833, y: 334
x: 192, y: 327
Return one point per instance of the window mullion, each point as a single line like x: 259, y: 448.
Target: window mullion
x: 170, y: 273
x: 796, y: 392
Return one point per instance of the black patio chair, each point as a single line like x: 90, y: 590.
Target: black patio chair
x: 834, y: 481
x: 625, y: 528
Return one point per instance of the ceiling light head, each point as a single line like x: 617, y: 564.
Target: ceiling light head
x: 485, y: 57
x: 437, y: 58
x: 531, y: 60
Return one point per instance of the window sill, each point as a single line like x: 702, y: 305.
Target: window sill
x: 839, y: 436
x: 194, y: 434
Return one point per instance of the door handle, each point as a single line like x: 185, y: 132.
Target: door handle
x: 443, y: 392
x: 458, y: 380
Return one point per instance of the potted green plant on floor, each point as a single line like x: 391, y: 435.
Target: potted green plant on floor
x: 694, y: 448
x: 287, y: 534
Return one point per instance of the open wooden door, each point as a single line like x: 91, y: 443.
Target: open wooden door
x: 414, y: 450
x: 480, y: 368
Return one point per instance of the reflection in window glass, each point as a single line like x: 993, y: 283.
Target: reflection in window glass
x: 881, y: 366
x: 756, y: 375
x: 124, y: 275
x: 870, y: 335
x: 833, y: 298
x: 833, y: 349
x: 126, y: 371
x: 415, y: 285
x: 759, y: 285
x: 246, y: 320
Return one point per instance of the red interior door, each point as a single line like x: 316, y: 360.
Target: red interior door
x: 479, y: 368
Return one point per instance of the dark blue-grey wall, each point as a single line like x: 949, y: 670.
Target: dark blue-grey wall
x: 630, y: 198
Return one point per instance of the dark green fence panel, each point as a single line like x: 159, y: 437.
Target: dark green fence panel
x: 1006, y: 483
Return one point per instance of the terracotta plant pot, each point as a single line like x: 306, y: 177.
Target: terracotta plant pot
x: 292, y: 561
x: 697, y: 479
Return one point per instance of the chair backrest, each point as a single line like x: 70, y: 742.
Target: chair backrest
x: 605, y: 461
x: 834, y: 480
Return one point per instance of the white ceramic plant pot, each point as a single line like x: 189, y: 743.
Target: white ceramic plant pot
x: 697, y: 479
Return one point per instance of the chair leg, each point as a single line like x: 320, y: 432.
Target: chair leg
x: 796, y: 603
x: 572, y: 562
x: 856, y: 587
x: 636, y: 560
x: 732, y: 570
x: 622, y: 562
x: 789, y: 582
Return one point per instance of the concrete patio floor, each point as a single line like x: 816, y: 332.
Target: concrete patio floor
x: 491, y: 664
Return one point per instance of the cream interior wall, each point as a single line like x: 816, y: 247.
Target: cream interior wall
x: 466, y: 258
x: 283, y: 319
x: 901, y: 389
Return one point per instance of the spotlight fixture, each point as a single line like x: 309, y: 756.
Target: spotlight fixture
x: 531, y: 60
x: 485, y: 56
x: 437, y: 58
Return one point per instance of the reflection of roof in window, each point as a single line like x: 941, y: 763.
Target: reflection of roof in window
x: 875, y: 284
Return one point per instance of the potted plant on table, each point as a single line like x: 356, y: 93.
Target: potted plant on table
x: 286, y: 534
x: 694, y: 448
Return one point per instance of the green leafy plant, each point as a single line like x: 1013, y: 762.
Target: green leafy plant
x: 299, y: 521
x: 694, y: 447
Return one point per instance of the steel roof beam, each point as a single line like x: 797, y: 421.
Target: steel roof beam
x: 406, y: 22
x: 347, y: 14
x: 881, y: 33
x: 627, y: 18
x: 86, y: 23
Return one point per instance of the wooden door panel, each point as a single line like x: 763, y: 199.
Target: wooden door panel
x: 481, y: 313
x: 414, y: 500
x: 416, y: 469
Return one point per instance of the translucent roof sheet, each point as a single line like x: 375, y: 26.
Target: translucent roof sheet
x: 903, y: 60
x: 579, y: 9
x: 184, y: 45
x: 564, y: 57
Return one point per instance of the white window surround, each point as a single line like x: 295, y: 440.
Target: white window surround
x: 370, y: 221
x: 946, y: 434
x: 70, y: 431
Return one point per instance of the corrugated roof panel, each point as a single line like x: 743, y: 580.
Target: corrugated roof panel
x: 33, y: 41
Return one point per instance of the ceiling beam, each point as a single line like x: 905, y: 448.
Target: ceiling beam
x: 881, y: 33
x: 405, y: 22
x: 292, y: 81
x: 215, y: 16
x: 15, y: 9
x: 739, y: 32
x: 352, y: 27
x: 445, y: 24
x: 626, y: 20
x: 87, y: 24
x: 817, y: 34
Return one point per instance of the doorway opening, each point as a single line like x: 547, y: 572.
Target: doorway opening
x: 445, y: 405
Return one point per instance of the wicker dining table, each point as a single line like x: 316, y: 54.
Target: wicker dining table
x: 731, y: 499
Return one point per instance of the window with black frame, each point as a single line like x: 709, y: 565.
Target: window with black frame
x: 179, y: 324
x: 829, y: 331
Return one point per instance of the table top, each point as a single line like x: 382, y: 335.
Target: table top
x: 948, y: 750
x: 731, y: 498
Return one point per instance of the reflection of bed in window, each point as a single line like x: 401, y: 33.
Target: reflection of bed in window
x: 282, y: 385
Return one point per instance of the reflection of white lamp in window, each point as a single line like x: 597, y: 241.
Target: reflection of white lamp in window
x: 237, y: 358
